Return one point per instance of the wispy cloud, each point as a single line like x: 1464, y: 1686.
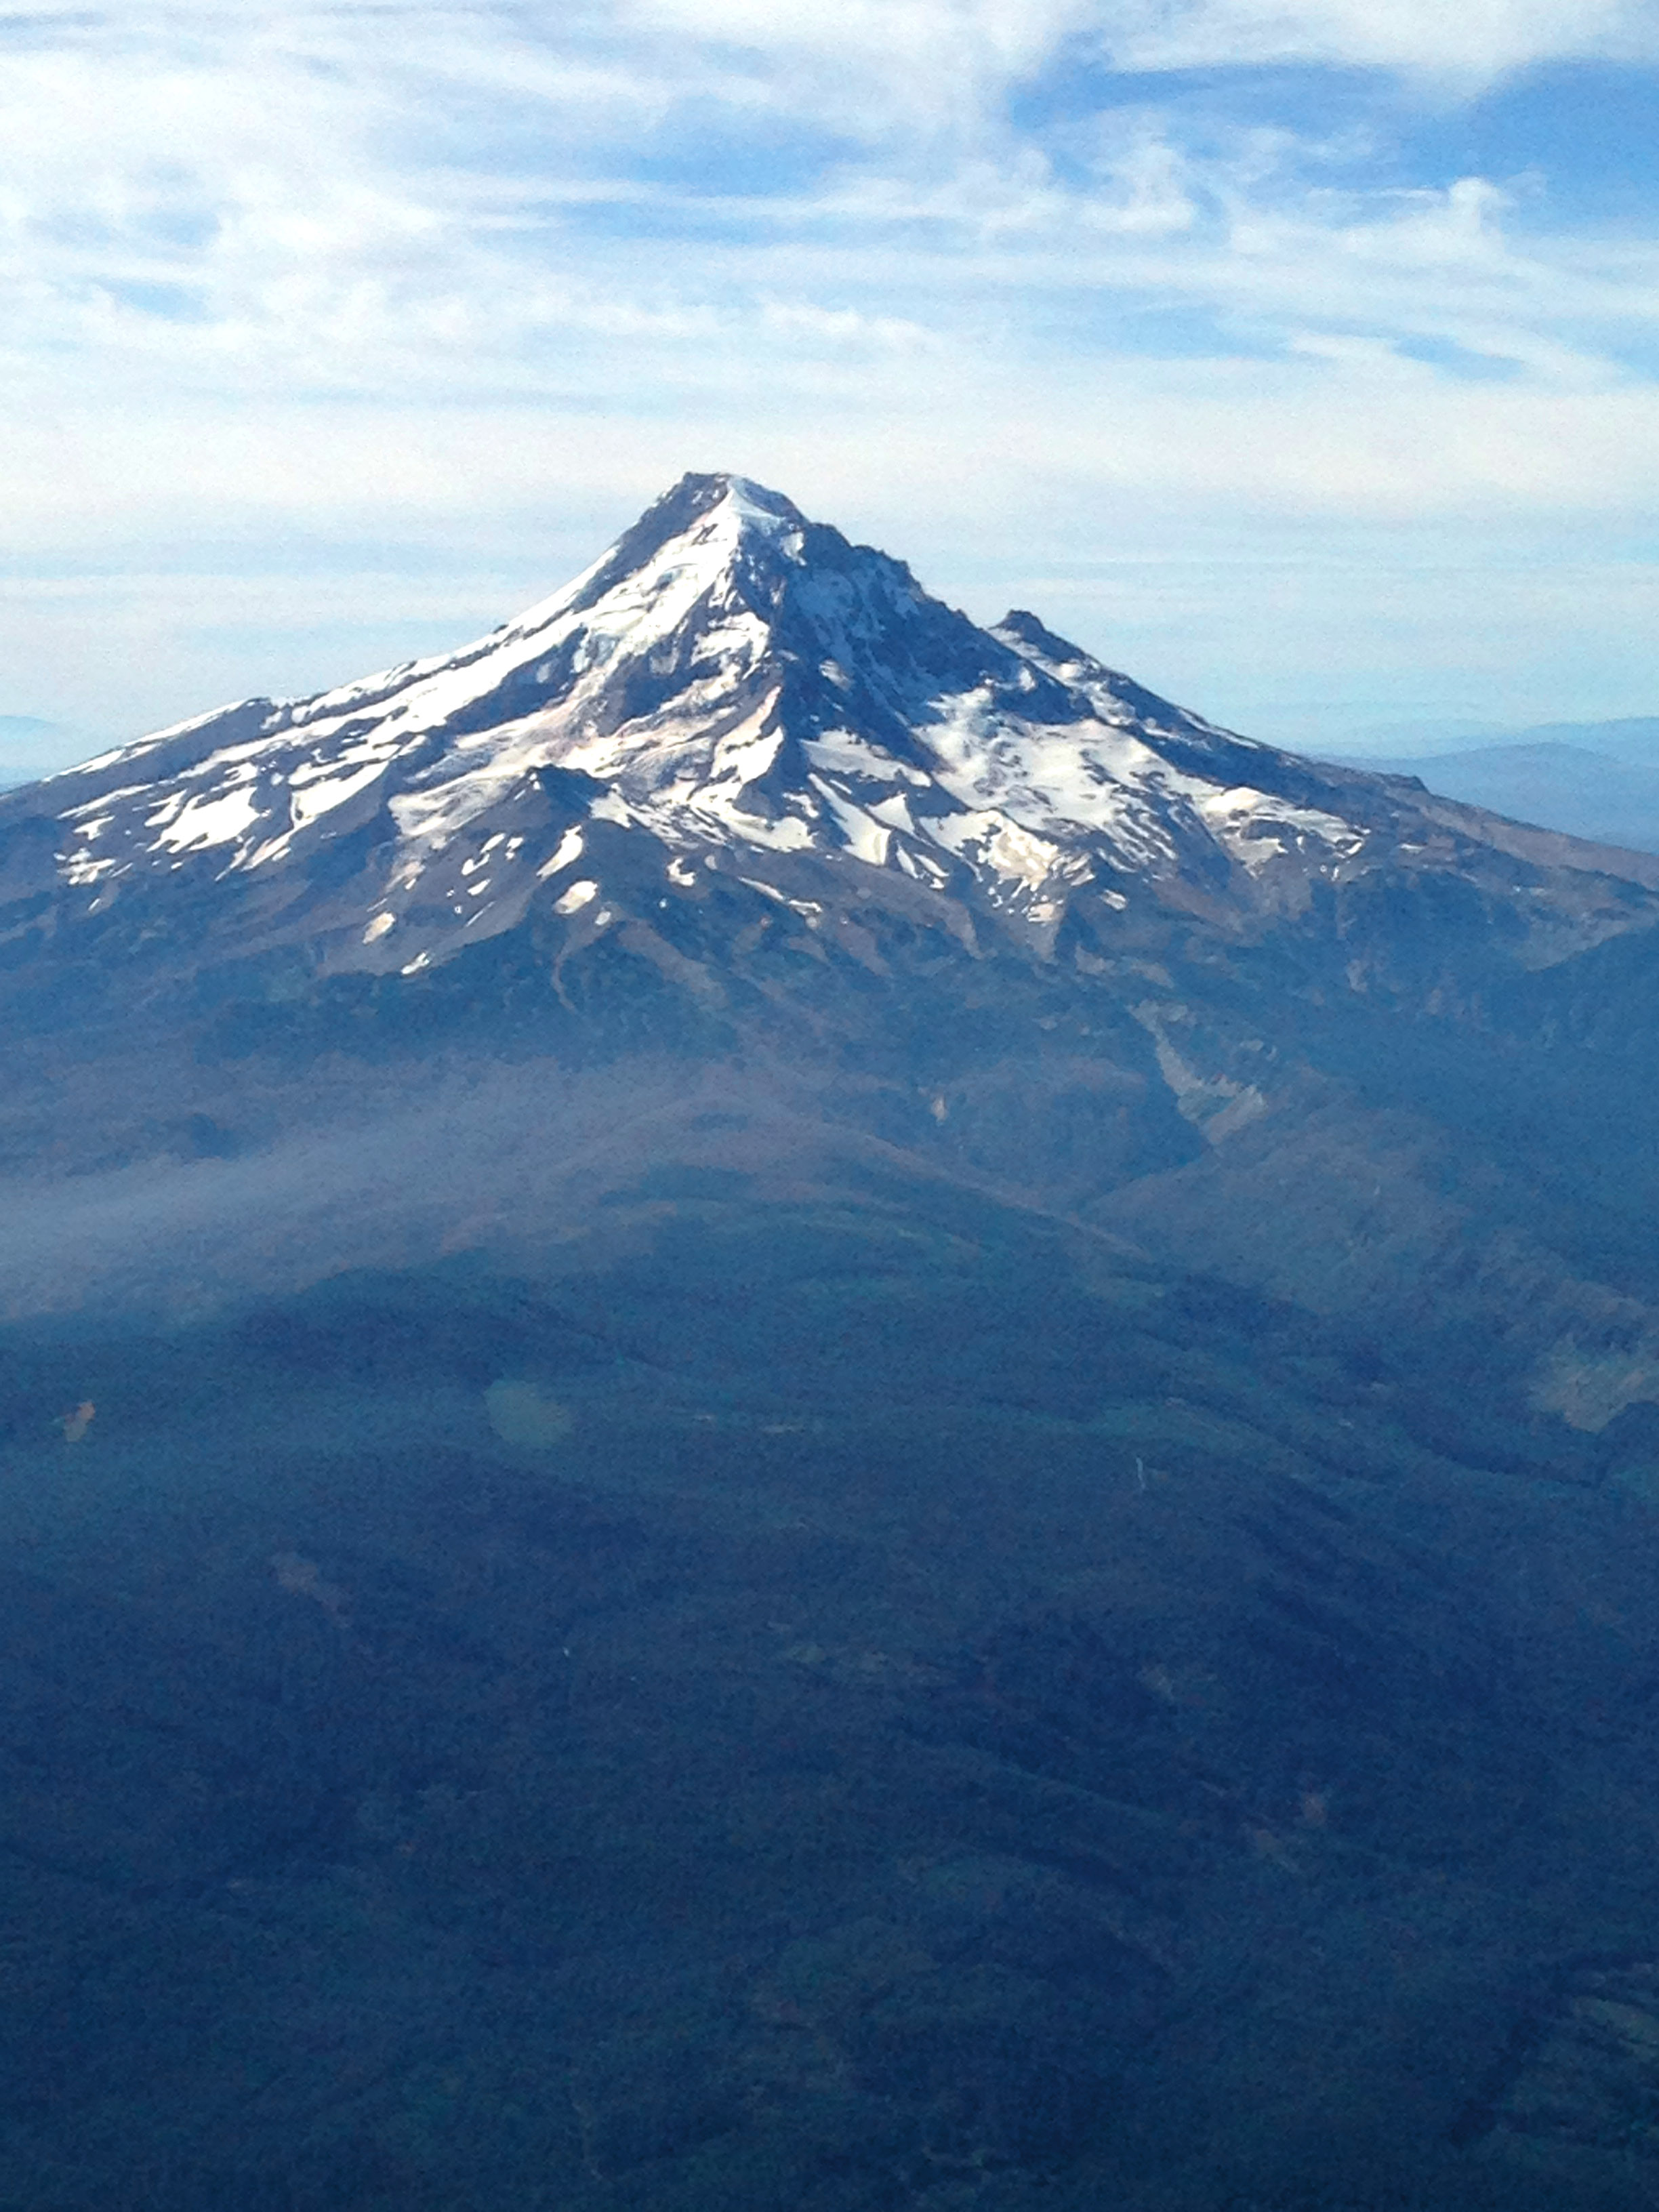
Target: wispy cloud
x: 469, y: 282
x: 1474, y: 40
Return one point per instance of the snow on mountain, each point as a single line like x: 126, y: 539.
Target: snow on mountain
x: 748, y: 688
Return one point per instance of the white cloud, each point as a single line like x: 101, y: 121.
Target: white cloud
x: 965, y: 43
x: 282, y: 280
x: 1471, y: 39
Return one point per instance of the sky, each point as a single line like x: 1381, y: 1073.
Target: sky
x: 1300, y: 357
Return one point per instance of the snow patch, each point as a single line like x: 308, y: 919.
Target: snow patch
x: 866, y: 839
x: 309, y: 800
x: 191, y: 825
x: 570, y: 849
x: 840, y: 753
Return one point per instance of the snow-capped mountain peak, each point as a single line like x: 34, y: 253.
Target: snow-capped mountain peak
x: 741, y: 688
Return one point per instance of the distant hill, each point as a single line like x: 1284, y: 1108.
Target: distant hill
x: 30, y: 748
x: 1595, y: 780
x: 1634, y: 738
x: 1629, y: 738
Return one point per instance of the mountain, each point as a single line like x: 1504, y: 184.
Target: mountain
x: 744, y: 801
x: 29, y: 747
x: 1633, y: 738
x: 1558, y: 785
x: 801, y: 1409
x: 732, y: 680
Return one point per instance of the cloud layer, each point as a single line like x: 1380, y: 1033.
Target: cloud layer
x: 326, y: 329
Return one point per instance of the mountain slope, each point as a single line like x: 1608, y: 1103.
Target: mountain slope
x: 744, y: 824
x: 797, y: 1410
x: 734, y: 681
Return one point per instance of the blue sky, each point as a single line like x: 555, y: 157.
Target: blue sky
x: 1301, y: 356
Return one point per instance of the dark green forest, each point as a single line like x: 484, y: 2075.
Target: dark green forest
x: 846, y: 1705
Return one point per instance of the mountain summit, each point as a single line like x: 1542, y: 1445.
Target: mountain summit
x: 748, y: 690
